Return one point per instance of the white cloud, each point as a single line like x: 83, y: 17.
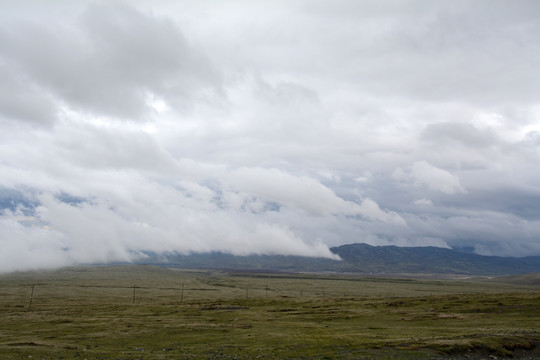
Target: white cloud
x: 423, y: 173
x: 303, y: 193
x: 371, y: 210
x: 365, y: 177
x: 26, y: 247
x: 423, y: 202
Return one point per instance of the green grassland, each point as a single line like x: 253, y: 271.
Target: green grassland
x: 142, y: 312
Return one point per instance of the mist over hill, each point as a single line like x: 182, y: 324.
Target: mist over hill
x: 362, y: 258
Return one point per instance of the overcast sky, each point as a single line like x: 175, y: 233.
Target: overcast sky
x: 266, y: 127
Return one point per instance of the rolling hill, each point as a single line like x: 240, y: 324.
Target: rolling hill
x: 432, y: 260
x: 362, y: 258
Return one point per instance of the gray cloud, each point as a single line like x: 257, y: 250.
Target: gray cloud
x: 464, y: 134
x: 113, y: 60
x: 452, y: 52
x: 22, y: 100
x: 194, y: 126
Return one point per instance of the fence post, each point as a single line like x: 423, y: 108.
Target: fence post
x: 133, y: 294
x: 182, y: 294
x: 31, y: 297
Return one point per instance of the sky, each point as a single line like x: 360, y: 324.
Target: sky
x: 266, y: 127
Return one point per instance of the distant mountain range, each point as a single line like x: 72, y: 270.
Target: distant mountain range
x: 362, y: 258
x: 432, y: 260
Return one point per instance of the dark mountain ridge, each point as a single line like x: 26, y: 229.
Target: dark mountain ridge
x: 362, y: 258
x: 432, y: 260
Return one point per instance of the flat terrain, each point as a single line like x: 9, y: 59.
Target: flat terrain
x: 141, y: 312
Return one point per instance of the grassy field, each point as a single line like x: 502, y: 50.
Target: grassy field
x: 138, y: 312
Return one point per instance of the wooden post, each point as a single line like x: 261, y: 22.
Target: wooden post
x: 31, y: 296
x: 182, y: 294
x: 133, y: 294
x: 266, y: 291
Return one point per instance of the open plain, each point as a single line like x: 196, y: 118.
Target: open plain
x: 145, y: 312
